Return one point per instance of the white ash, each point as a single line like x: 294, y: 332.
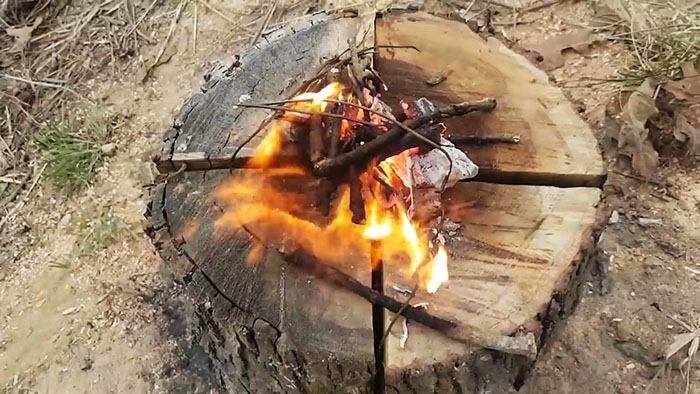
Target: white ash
x: 404, y: 335
x: 428, y: 170
x: 402, y: 290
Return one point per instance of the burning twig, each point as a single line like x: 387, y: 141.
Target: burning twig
x: 367, y: 151
x: 357, y: 203
x: 316, y: 146
x: 305, y: 112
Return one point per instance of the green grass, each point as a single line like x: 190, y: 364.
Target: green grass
x: 72, y: 151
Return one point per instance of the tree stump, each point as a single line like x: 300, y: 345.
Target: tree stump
x: 526, y: 230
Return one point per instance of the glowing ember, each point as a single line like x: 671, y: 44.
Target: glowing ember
x: 257, y: 201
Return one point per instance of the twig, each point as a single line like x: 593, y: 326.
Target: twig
x: 9, y: 129
x: 305, y: 112
x: 46, y: 85
x: 265, y: 23
x: 217, y: 12
x: 487, y: 139
x: 171, y: 30
x: 333, y: 275
x: 405, y: 305
x: 328, y: 166
x: 541, y: 6
x: 36, y: 180
x: 136, y: 25
x: 18, y: 188
x: 182, y: 169
x: 449, y: 111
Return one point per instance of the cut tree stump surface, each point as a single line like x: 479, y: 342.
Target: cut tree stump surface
x: 557, y: 146
x: 517, y: 256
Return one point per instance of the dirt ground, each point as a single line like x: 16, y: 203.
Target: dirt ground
x: 108, y: 321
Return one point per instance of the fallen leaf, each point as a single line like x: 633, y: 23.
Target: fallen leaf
x: 686, y: 128
x: 550, y: 50
x: 22, y: 35
x: 633, y: 140
x: 687, y: 88
x: 645, y: 160
x: 679, y: 341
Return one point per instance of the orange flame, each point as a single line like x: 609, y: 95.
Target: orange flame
x: 255, y: 201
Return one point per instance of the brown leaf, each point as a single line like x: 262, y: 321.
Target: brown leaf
x: 645, y: 159
x: 633, y: 139
x: 639, y: 108
x: 22, y: 35
x: 550, y: 50
x: 688, y: 88
x: 687, y: 131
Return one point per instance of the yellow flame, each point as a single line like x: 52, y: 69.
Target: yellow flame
x: 436, y: 271
x: 416, y: 248
x: 376, y: 228
x: 271, y: 144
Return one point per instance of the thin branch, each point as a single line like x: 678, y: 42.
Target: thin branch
x: 265, y: 23
x: 46, y: 85
x: 305, y: 112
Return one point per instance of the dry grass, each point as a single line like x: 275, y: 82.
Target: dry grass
x: 661, y: 35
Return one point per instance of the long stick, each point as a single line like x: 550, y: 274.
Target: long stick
x: 305, y: 112
x: 378, y: 317
x: 335, y: 276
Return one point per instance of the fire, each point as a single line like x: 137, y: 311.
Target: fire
x: 257, y: 202
x: 271, y: 144
x: 436, y: 271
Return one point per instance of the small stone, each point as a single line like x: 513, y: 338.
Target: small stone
x: 66, y: 219
x: 86, y: 363
x: 109, y: 150
x: 614, y: 217
x: 623, y: 331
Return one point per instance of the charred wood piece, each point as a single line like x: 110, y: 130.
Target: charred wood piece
x: 357, y: 203
x: 317, y: 149
x: 336, y: 277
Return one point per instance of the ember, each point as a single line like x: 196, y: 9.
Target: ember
x: 366, y: 164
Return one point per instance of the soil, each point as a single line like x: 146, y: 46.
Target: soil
x: 111, y: 320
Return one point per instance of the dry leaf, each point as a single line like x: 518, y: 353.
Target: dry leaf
x: 645, y: 159
x: 694, y: 345
x: 685, y: 131
x: 679, y: 341
x: 550, y: 50
x: 22, y: 35
x: 688, y: 88
x: 633, y: 139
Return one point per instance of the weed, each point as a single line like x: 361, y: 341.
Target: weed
x: 684, y: 347
x: 98, y: 232
x: 72, y: 150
